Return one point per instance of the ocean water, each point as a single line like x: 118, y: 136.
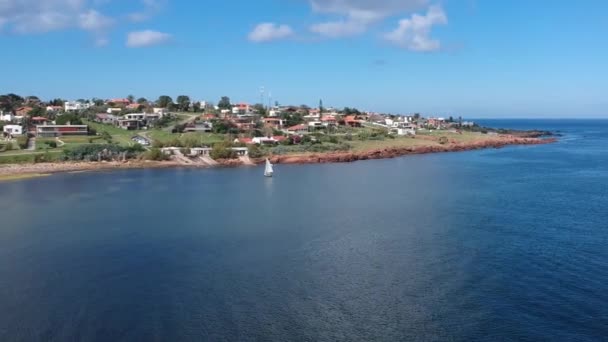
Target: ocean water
x: 504, y: 244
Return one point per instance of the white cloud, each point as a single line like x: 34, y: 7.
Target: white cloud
x: 150, y: 8
x: 147, y: 38
x: 94, y: 21
x: 266, y: 32
x: 414, y: 33
x: 357, y: 15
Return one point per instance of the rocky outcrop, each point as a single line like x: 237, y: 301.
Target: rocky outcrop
x: 346, y: 157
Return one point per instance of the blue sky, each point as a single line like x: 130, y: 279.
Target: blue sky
x: 454, y: 57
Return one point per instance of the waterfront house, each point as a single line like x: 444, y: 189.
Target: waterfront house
x: 52, y: 131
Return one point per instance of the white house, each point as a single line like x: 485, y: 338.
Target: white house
x: 74, y: 106
x: 13, y: 129
x: 6, y: 117
x: 114, y: 110
x: 161, y: 111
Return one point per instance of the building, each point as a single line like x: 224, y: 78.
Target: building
x: 204, y: 127
x: 241, y: 109
x: 13, y: 130
x: 75, y: 106
x: 119, y: 102
x: 54, y: 109
x: 52, y: 131
x: 23, y: 111
x: 137, y: 120
x: 39, y: 120
x: 107, y: 119
x: 6, y: 117
x: 298, y: 129
x: 114, y: 110
x: 273, y: 122
x: 161, y: 111
x: 352, y: 121
x: 134, y: 106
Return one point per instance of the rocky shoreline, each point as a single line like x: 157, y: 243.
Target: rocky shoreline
x: 313, y: 158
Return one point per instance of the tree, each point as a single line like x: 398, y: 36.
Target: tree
x: 56, y: 102
x: 224, y: 103
x: 260, y: 109
x: 131, y: 98
x: 164, y: 101
x: 10, y: 102
x: 196, y: 107
x: 142, y: 100
x: 37, y: 111
x: 183, y: 103
x: 98, y: 102
x: 68, y: 118
x: 321, y: 109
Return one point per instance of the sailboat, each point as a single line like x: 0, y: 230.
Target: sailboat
x: 268, y: 170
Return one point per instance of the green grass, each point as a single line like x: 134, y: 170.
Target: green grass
x: 25, y: 158
x: 200, y: 138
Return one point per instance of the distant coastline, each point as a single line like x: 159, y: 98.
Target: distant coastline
x: 11, y: 172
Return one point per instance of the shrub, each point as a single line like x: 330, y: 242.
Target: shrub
x: 223, y: 151
x: 256, y: 152
x: 51, y: 144
x: 23, y: 141
x: 155, y: 154
x: 443, y: 140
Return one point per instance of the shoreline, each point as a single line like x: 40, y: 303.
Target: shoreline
x: 10, y: 172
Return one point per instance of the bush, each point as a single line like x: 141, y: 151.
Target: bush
x: 155, y: 154
x: 23, y: 141
x: 223, y: 151
x: 51, y: 144
x: 95, y: 152
x: 443, y: 140
x: 256, y: 152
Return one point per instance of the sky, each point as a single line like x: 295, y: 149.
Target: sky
x: 470, y: 58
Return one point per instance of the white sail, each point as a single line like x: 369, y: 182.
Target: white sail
x: 268, y: 170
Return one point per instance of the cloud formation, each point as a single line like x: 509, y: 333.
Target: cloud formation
x: 42, y: 16
x: 414, y: 33
x: 357, y: 15
x: 266, y: 32
x: 146, y: 38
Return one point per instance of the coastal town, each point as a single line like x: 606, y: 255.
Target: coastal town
x: 200, y: 133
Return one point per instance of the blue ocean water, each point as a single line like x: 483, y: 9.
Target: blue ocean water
x: 503, y: 244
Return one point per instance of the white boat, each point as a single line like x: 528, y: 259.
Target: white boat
x: 268, y: 170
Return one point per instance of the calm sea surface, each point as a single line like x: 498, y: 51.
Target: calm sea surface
x: 507, y: 244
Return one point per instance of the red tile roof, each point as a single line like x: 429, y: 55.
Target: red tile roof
x: 297, y: 127
x: 39, y: 118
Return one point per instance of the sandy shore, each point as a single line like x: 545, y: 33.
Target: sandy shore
x: 21, y: 171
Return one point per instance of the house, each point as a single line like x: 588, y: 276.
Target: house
x: 113, y: 110
x: 352, y: 121
x: 54, y: 109
x: 161, y: 111
x: 119, y: 102
x: 404, y: 130
x: 316, y: 124
x: 107, y: 119
x: 6, y: 117
x: 137, y: 120
x: 39, y: 120
x: 204, y: 127
x: 241, y: 109
x: 329, y: 120
x: 273, y: 122
x: 133, y: 106
x: 13, y: 130
x: 75, y: 106
x: 298, y: 129
x: 244, y: 123
x: 23, y: 111
x: 52, y: 131
x: 268, y: 140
